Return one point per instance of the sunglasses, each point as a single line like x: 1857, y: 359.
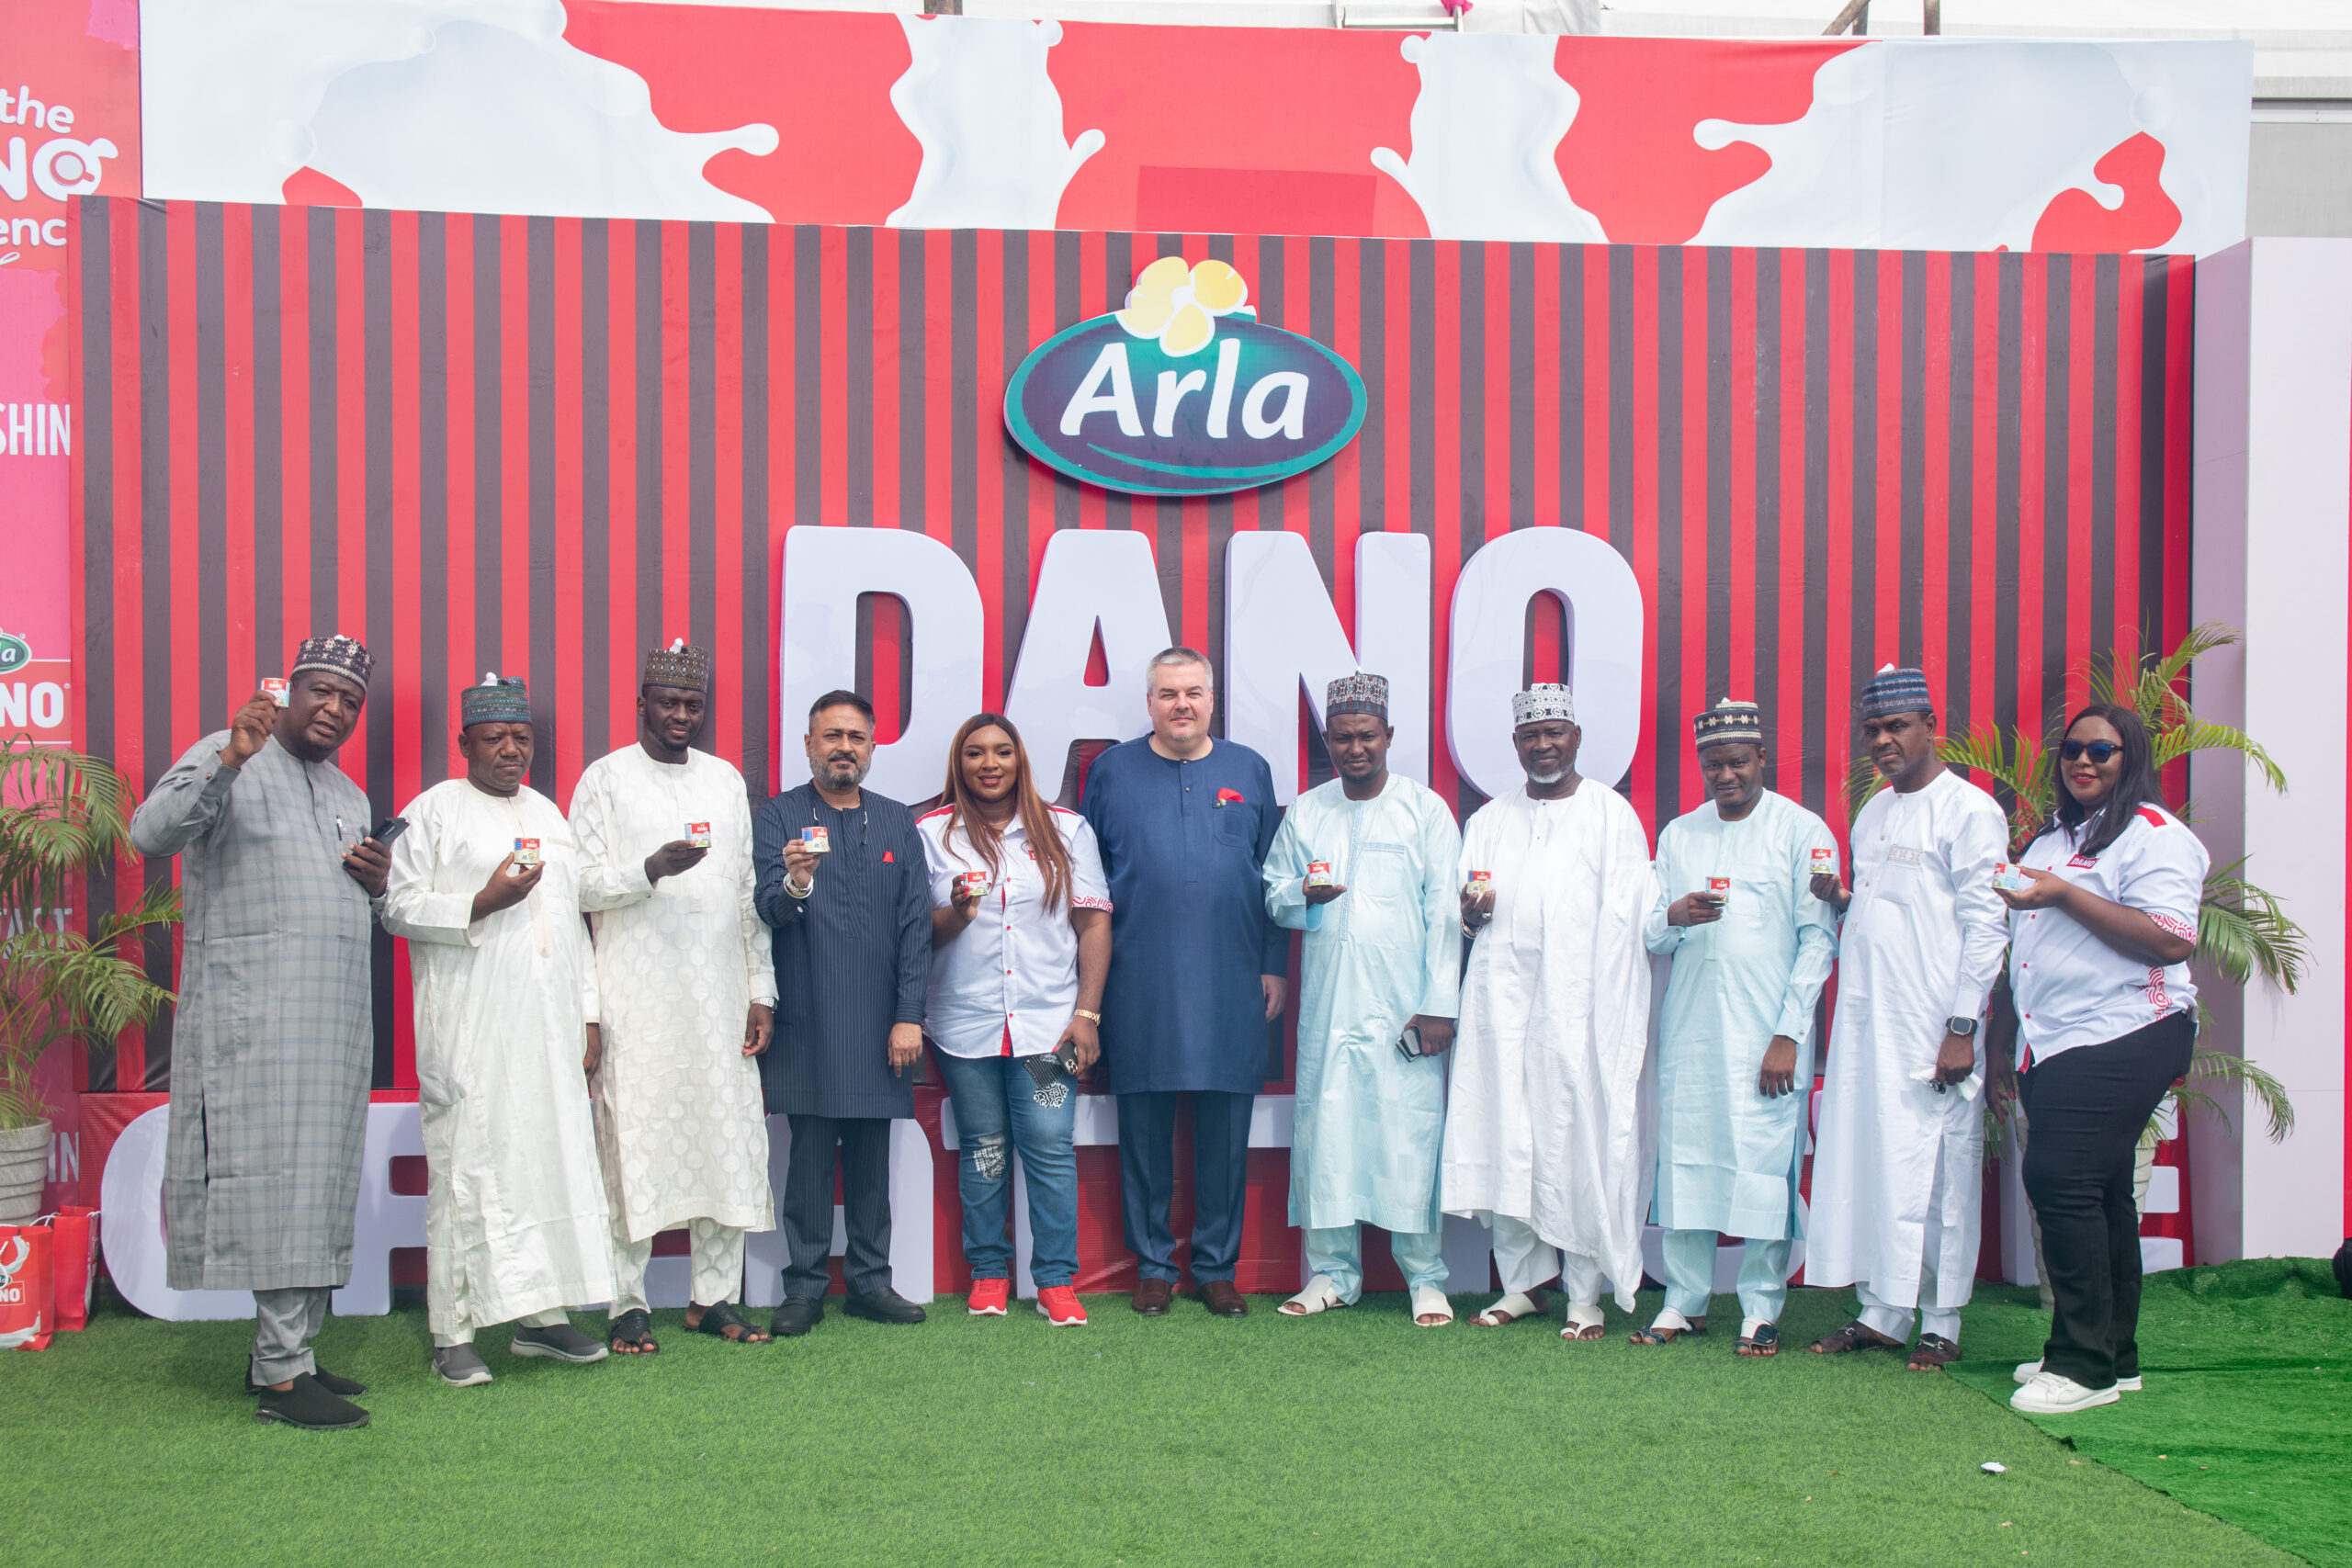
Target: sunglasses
x: 2098, y: 751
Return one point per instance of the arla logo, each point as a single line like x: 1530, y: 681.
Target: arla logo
x: 14, y: 653
x: 1183, y: 392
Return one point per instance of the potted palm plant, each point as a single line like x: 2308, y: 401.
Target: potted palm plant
x: 62, y: 814
x: 2241, y: 930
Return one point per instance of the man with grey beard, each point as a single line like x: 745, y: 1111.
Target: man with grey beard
x: 844, y: 882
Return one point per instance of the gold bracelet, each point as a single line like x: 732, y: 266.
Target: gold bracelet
x: 1093, y: 1018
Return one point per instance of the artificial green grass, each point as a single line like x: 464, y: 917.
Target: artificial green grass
x: 1349, y: 1439
x: 2247, y: 1411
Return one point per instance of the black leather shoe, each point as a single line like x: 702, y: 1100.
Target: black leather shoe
x: 309, y: 1406
x: 884, y: 1306
x: 796, y: 1316
x: 342, y: 1388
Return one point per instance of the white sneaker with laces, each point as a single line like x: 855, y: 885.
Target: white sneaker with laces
x: 2028, y: 1370
x: 2054, y: 1393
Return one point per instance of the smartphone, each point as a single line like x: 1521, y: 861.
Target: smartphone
x: 391, y: 827
x: 1408, y: 1045
x: 1067, y: 1055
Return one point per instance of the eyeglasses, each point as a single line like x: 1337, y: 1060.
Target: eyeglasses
x: 2098, y: 750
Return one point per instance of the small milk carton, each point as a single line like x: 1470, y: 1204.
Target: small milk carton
x: 2011, y: 879
x: 698, y: 835
x: 1719, y: 889
x: 816, y: 840
x: 1481, y: 882
x: 1824, y: 863
x: 526, y: 854
x: 276, y: 685
x: 1318, y: 873
x: 972, y: 883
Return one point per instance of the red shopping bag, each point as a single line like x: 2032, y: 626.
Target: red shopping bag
x: 73, y: 1261
x: 25, y: 1319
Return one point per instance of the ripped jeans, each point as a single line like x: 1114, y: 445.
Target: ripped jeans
x: 998, y: 1113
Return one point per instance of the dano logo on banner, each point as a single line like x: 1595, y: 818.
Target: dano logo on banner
x: 1183, y: 392
x: 32, y: 693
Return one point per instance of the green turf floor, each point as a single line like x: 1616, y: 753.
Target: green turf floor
x: 1352, y: 1438
x: 2247, y: 1412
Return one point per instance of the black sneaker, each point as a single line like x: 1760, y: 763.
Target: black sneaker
x: 884, y: 1306
x: 345, y: 1387
x: 796, y: 1316
x: 309, y: 1406
x: 560, y: 1340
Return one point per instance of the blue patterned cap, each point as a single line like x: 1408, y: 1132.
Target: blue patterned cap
x: 1896, y: 690
x: 497, y: 700
x: 1728, y: 720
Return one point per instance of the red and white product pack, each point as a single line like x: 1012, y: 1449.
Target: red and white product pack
x: 277, y: 687
x: 1318, y: 873
x: 1719, y: 889
x: 698, y: 835
x: 73, y: 1263
x: 1824, y: 862
x: 972, y: 883
x: 526, y: 854
x: 25, y: 1264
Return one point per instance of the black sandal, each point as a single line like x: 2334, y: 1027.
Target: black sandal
x: 1765, y: 1341
x: 718, y: 1320
x: 1654, y: 1335
x: 632, y: 1334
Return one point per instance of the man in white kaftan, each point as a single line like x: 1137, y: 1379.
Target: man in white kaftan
x: 1364, y: 865
x: 687, y: 992
x: 1898, y: 1171
x: 1751, y: 947
x: 485, y: 885
x: 1548, y: 1136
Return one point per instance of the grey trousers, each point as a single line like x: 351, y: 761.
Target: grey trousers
x: 285, y: 1322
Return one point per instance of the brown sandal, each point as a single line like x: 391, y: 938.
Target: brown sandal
x: 1856, y: 1336
x: 1933, y: 1353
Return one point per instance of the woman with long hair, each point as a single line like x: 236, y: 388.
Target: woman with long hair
x: 1020, y: 946
x: 2100, y: 933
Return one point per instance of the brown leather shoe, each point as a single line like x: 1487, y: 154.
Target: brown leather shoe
x: 1220, y: 1297
x: 1151, y: 1297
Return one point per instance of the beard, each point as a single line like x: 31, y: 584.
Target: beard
x: 841, y: 774
x: 1550, y: 778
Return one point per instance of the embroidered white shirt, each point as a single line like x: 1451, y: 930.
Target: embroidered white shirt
x: 1015, y: 968
x: 2071, y: 988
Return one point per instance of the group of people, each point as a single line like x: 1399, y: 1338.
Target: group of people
x: 1475, y: 1032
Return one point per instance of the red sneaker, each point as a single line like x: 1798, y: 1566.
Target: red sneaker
x: 1059, y: 1304
x: 989, y: 1297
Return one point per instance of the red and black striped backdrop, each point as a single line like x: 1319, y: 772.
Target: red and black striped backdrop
x: 542, y: 446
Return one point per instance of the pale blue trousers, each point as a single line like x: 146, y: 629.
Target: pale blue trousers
x: 1337, y: 1255
x: 1691, y: 1275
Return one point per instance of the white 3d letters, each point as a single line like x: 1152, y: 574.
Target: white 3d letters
x: 1603, y: 657
x: 1281, y: 633
x: 824, y: 571
x: 1090, y: 578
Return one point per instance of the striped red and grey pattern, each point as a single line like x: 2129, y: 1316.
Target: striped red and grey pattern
x: 542, y: 446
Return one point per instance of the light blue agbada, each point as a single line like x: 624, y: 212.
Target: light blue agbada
x: 1728, y: 1158
x: 1367, y: 1122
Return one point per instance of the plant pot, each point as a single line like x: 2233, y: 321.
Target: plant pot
x: 24, y: 1170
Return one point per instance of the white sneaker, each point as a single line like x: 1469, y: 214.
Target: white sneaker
x: 2028, y: 1370
x: 2053, y: 1393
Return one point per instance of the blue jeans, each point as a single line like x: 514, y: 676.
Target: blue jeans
x: 996, y: 1102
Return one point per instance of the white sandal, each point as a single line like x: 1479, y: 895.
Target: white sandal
x: 1510, y: 1310
x: 1320, y: 1295
x: 1430, y: 1302
x: 1580, y: 1325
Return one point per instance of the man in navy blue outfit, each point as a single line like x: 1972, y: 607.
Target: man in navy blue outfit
x: 1197, y: 971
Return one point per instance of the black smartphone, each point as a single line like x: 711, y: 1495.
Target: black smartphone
x: 391, y: 827
x: 1067, y: 1055
x: 1408, y: 1045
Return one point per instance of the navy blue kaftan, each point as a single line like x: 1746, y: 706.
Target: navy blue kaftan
x: 1184, y: 846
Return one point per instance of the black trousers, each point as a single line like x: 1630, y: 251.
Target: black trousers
x: 2087, y: 1108
x: 808, y: 1215
x: 1220, y: 1180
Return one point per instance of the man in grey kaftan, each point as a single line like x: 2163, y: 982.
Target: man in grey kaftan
x: 272, y: 1043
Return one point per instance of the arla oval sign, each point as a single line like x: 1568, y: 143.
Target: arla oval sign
x: 1182, y: 392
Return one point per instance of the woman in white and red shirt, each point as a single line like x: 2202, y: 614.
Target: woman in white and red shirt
x: 1020, y: 946
x: 2106, y: 1017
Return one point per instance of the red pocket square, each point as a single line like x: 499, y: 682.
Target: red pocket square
x: 1232, y: 796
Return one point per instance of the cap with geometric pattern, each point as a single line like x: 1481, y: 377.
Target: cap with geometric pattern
x: 1543, y: 700
x: 1728, y: 720
x: 338, y: 655
x: 1358, y: 693
x: 1896, y: 690
x: 688, y: 668
x: 497, y: 700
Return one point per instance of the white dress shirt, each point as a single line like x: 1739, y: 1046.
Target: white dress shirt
x: 2072, y: 988
x: 1014, y: 969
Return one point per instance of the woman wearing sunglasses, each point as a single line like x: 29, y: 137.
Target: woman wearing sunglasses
x: 2105, y: 1014
x: 1021, y: 945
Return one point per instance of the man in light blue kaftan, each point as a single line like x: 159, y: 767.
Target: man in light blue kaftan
x: 1751, y: 947
x: 1364, y: 865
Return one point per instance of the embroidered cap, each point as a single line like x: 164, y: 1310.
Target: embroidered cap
x: 1728, y: 720
x: 338, y: 655
x: 1896, y: 690
x: 497, y: 700
x: 688, y: 668
x: 1543, y: 700
x: 1358, y: 693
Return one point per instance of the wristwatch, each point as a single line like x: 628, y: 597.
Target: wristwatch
x: 1964, y: 1026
